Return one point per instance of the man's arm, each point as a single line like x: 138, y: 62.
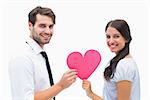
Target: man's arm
x: 21, y: 78
x: 67, y: 79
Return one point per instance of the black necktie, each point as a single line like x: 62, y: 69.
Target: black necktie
x: 48, y: 68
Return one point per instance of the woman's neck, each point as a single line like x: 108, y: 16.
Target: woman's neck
x: 128, y: 56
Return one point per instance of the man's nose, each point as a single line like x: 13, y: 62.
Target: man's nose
x: 48, y: 30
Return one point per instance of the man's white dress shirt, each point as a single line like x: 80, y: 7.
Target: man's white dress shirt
x: 28, y: 72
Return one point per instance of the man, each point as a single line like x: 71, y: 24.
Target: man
x: 29, y: 74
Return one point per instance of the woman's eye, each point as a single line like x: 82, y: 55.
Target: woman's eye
x: 107, y: 36
x: 117, y: 36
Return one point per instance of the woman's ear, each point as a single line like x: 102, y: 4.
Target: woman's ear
x: 126, y: 40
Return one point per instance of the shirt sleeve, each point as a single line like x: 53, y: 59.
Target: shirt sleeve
x: 124, y: 71
x: 21, y: 78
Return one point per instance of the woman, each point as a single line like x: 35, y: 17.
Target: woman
x: 121, y: 75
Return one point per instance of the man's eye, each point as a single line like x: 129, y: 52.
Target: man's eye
x: 42, y: 26
x: 51, y: 26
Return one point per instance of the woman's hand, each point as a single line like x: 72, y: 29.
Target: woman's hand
x: 86, y: 85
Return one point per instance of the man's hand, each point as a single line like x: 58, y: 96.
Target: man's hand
x: 68, y: 78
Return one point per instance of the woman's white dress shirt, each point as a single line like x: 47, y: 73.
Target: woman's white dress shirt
x: 126, y: 70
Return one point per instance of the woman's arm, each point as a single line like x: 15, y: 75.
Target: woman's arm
x: 86, y: 85
x: 124, y: 90
x: 95, y: 97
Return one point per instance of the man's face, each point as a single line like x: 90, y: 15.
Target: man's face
x: 42, y: 30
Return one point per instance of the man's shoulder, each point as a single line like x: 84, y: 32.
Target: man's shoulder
x: 22, y: 52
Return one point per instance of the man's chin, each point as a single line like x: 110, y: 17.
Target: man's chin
x: 46, y: 42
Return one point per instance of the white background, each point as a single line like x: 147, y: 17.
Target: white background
x: 80, y: 26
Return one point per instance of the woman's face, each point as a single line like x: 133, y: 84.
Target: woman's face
x: 115, y: 40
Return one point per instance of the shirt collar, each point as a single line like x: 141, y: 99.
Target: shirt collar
x: 34, y: 45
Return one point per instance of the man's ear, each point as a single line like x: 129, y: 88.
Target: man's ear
x: 30, y: 25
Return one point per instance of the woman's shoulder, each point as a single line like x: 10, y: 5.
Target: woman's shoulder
x: 127, y: 63
x: 126, y: 70
x: 128, y: 60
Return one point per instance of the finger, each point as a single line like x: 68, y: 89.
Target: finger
x: 84, y: 87
x: 85, y: 82
x: 72, y: 81
x: 71, y: 74
x: 72, y: 77
x: 71, y: 70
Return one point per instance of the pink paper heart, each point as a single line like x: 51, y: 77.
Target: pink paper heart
x: 85, y: 65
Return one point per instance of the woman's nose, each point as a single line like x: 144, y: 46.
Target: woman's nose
x: 111, y: 40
